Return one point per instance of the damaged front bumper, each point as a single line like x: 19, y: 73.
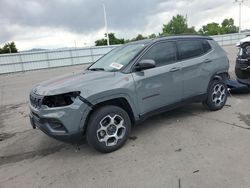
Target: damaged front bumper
x: 62, y: 123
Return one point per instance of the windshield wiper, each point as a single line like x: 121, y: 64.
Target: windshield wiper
x: 97, y: 69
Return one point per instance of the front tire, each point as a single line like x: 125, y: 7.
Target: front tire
x: 108, y: 128
x: 216, y: 96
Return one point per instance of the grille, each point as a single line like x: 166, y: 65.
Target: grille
x: 36, y: 100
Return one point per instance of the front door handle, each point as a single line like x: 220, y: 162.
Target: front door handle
x: 175, y: 69
x: 207, y: 61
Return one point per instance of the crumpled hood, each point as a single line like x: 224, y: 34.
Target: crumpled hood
x: 83, y: 81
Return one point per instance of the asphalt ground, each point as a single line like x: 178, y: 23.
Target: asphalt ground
x: 188, y: 147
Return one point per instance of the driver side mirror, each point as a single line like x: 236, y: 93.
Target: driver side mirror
x: 145, y: 64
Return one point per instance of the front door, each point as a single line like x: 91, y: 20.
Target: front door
x: 162, y: 85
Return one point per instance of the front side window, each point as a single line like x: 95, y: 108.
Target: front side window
x: 189, y: 48
x: 163, y: 53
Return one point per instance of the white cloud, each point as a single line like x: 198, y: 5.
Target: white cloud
x: 59, y: 23
x: 53, y: 38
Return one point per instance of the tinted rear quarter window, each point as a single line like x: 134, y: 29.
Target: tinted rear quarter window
x: 206, y: 46
x: 189, y: 48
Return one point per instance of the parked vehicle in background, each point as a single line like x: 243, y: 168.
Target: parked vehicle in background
x: 129, y: 84
x: 242, y: 67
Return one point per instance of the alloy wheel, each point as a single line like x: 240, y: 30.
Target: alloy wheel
x: 111, y: 130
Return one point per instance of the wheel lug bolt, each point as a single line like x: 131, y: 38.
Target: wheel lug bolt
x: 102, y: 133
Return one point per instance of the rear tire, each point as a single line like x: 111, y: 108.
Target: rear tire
x: 216, y: 95
x: 108, y: 128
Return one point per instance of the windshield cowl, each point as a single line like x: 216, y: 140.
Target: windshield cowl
x: 96, y: 69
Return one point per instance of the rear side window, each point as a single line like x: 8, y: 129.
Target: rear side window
x: 206, y: 46
x: 163, y: 53
x: 189, y: 48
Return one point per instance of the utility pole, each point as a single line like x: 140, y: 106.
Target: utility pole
x: 106, y: 23
x: 240, y: 3
x: 186, y: 17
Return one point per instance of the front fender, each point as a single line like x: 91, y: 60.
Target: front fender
x: 130, y: 99
x: 94, y: 100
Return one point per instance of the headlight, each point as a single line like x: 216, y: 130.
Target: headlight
x: 60, y: 100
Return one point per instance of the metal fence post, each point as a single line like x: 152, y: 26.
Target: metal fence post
x: 21, y: 62
x: 71, y: 57
x: 77, y: 55
x: 91, y: 54
x: 48, y: 61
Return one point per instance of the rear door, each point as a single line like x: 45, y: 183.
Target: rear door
x: 162, y: 85
x: 194, y: 55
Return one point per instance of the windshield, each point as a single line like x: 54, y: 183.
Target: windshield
x: 118, y: 58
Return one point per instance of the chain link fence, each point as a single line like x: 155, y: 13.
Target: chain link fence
x: 26, y: 61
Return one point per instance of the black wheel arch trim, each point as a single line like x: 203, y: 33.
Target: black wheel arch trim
x: 220, y: 76
x: 108, y: 101
x: 86, y: 101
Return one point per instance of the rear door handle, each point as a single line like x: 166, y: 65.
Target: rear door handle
x: 174, y: 69
x: 207, y: 61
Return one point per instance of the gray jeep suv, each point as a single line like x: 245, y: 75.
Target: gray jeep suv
x: 130, y: 83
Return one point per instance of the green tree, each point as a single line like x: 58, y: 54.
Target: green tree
x: 101, y: 42
x: 152, y: 36
x: 138, y: 37
x: 210, y: 29
x: 9, y: 48
x: 191, y: 30
x: 112, y: 40
x: 227, y: 26
x: 177, y: 25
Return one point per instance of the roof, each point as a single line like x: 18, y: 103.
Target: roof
x: 184, y: 37
x: 147, y: 41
